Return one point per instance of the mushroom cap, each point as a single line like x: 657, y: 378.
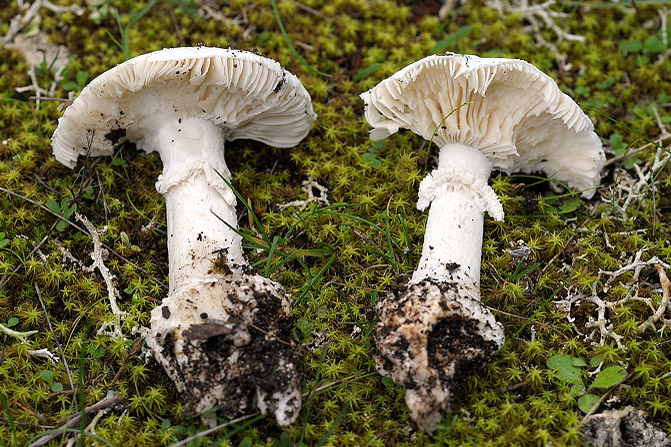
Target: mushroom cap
x: 507, y: 108
x: 247, y: 95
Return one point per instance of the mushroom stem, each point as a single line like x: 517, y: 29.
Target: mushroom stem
x: 458, y: 194
x: 196, y: 199
x: 206, y: 331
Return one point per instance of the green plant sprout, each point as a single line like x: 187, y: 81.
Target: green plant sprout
x: 48, y: 377
x: 65, y: 209
x: 570, y: 370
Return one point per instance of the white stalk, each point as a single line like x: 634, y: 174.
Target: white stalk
x: 458, y: 194
x: 434, y: 333
x: 203, y: 333
x: 196, y: 199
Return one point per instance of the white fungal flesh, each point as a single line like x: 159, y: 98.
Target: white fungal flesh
x: 507, y: 108
x: 196, y: 200
x: 484, y: 114
x: 223, y: 332
x: 247, y: 95
x: 458, y: 195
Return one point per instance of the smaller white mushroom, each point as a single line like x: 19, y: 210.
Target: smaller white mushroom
x: 223, y: 331
x: 483, y: 114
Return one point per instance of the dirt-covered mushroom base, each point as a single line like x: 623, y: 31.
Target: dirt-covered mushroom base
x: 226, y: 342
x: 430, y: 338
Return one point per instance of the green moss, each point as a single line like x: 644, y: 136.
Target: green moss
x: 341, y: 37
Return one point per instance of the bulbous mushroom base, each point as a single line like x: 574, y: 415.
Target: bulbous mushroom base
x: 226, y: 341
x: 430, y: 338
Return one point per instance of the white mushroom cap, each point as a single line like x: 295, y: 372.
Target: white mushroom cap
x: 513, y: 113
x: 246, y: 94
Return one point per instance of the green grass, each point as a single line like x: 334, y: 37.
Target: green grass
x: 336, y: 260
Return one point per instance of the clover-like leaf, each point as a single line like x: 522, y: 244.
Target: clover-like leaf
x: 566, y: 371
x: 587, y: 401
x: 609, y: 377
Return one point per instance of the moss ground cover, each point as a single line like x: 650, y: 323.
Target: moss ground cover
x: 580, y: 279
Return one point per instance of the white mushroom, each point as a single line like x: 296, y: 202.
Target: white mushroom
x: 223, y: 332
x: 501, y: 114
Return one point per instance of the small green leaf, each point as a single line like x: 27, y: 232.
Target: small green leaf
x: 68, y: 211
x: 57, y: 387
x: 609, y: 377
x: 497, y: 52
x: 61, y: 225
x: 69, y: 86
x: 47, y: 376
x: 264, y: 36
x: 565, y: 369
x: 305, y: 326
x: 595, y: 361
x: 578, y: 362
x: 445, y: 44
x: 284, y: 440
x: 577, y: 389
x: 377, y: 146
x: 631, y: 46
x: 587, y: 401
x: 53, y: 206
x: 386, y: 381
x: 569, y: 206
x: 607, y: 83
x: 582, y: 91
x: 654, y: 44
x: 82, y: 77
x: 365, y: 72
x: 88, y: 193
x: 246, y: 442
x: 13, y: 321
x: 165, y: 424
x: 464, y: 31
x: 372, y: 160
x: 618, y: 144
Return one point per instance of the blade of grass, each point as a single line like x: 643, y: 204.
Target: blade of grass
x: 314, y: 279
x: 406, y: 251
x: 624, y: 126
x: 308, y: 404
x: 365, y: 72
x: 336, y: 422
x: 80, y: 385
x: 392, y: 253
x: 239, y: 428
x: 12, y: 426
x: 542, y: 180
x: 249, y: 208
x: 290, y: 45
x: 144, y: 216
x: 214, y: 429
x: 297, y: 253
x: 116, y: 42
x: 271, y: 253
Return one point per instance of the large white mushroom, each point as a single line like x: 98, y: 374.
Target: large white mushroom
x: 222, y: 333
x: 501, y: 114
